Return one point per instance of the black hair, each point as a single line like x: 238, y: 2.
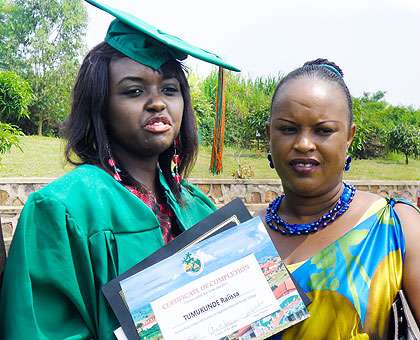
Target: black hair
x: 85, y: 129
x: 321, y: 69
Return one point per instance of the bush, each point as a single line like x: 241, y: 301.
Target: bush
x: 405, y: 139
x: 9, y: 137
x: 15, y: 97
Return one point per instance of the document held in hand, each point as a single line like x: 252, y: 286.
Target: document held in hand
x: 232, y: 285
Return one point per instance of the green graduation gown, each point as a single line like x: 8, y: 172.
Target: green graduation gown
x: 74, y: 235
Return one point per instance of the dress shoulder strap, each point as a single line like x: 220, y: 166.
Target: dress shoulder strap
x: 393, y: 201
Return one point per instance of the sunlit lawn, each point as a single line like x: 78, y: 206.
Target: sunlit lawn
x: 43, y: 157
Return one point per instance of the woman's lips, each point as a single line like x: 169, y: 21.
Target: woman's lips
x: 158, y: 124
x: 304, y: 166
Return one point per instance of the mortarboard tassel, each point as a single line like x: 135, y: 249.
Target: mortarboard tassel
x: 216, y: 165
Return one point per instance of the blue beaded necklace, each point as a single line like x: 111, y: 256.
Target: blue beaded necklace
x: 340, y: 208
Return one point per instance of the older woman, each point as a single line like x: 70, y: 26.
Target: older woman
x: 351, y: 251
x: 131, y: 116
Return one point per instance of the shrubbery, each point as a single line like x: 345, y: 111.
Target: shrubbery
x: 15, y: 97
x: 248, y: 108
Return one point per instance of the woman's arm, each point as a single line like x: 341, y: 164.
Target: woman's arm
x: 45, y: 294
x: 410, y: 220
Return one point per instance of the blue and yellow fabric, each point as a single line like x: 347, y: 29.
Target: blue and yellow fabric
x: 353, y: 282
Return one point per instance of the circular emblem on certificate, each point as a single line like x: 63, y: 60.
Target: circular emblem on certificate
x: 192, y: 264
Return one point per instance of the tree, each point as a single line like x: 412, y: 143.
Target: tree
x: 42, y: 41
x: 15, y: 97
x: 404, y: 138
x: 374, y: 118
x: 397, y: 114
x: 5, y: 39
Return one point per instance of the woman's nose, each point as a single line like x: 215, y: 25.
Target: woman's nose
x: 156, y: 102
x: 304, y: 143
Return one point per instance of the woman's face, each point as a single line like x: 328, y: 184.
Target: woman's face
x: 145, y: 110
x: 309, y: 135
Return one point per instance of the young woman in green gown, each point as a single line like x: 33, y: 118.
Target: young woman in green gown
x: 131, y: 121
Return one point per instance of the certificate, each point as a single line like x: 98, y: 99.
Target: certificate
x: 233, y: 285
x: 232, y: 214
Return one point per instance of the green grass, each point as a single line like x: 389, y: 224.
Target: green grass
x: 43, y: 157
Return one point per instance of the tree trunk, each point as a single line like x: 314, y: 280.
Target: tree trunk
x: 40, y: 121
x: 406, y: 159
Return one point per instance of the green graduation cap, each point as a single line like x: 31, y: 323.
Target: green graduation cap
x: 149, y: 45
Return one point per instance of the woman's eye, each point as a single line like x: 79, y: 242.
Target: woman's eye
x: 133, y: 92
x: 169, y: 90
x: 325, y: 131
x: 287, y: 130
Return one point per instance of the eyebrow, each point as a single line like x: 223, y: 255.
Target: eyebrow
x: 140, y: 79
x: 129, y: 78
x: 323, y: 122
x: 286, y: 120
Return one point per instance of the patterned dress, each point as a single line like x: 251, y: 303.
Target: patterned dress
x: 162, y: 211
x: 353, y: 282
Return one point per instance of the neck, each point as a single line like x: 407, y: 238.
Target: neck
x: 302, y: 209
x: 142, y: 169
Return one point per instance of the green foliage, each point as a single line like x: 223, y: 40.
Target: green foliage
x: 15, y: 96
x: 9, y: 137
x: 398, y: 114
x: 203, y: 109
x: 247, y: 107
x: 367, y: 142
x: 42, y: 42
x: 358, y: 145
x: 405, y: 139
x: 374, y: 118
x: 254, y: 124
x: 5, y: 8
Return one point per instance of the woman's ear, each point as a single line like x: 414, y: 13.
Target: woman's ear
x: 352, y: 132
x: 267, y: 130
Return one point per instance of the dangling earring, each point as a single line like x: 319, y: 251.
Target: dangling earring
x: 347, y: 165
x: 112, y: 164
x: 270, y: 159
x: 175, y: 159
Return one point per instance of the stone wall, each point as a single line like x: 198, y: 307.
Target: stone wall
x: 256, y: 194
x: 13, y: 195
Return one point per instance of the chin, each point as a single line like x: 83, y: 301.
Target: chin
x: 160, y: 145
x: 303, y: 186
x: 161, y: 148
